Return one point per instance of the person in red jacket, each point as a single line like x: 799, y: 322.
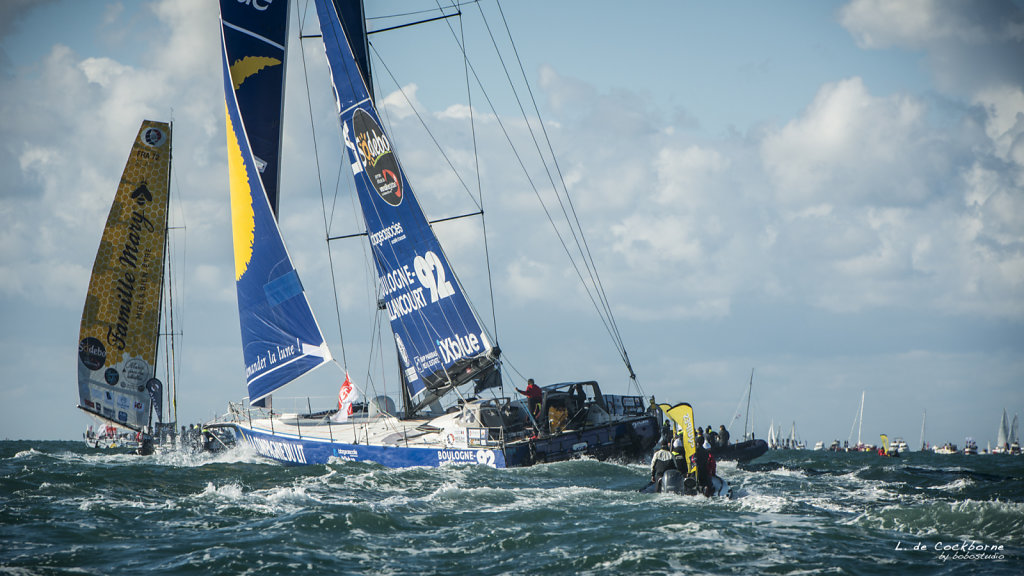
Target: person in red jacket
x: 533, y: 394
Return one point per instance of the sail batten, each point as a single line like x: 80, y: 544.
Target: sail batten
x: 440, y: 340
x: 120, y: 326
x: 281, y: 339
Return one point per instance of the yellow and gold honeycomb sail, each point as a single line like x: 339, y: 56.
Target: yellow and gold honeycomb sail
x: 117, y: 344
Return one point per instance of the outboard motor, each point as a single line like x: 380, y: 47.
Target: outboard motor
x: 690, y: 486
x: 672, y: 481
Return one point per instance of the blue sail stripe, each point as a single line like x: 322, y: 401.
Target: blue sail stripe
x: 357, y: 104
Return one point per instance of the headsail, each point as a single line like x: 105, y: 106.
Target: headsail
x: 280, y: 337
x: 440, y: 341
x: 1002, y: 437
x: 682, y: 415
x: 255, y: 36
x: 117, y: 343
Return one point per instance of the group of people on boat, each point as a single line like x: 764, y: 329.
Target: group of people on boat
x: 672, y: 456
x: 718, y: 439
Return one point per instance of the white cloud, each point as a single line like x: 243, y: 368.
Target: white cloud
x: 970, y: 46
x: 849, y: 147
x: 914, y: 23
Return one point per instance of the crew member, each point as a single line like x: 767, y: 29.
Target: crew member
x: 534, y: 394
x: 723, y: 436
x: 661, y: 461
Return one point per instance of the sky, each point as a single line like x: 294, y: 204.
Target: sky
x: 828, y: 194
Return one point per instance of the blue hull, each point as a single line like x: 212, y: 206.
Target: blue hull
x: 629, y: 439
x: 294, y: 450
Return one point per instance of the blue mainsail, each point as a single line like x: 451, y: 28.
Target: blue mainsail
x: 255, y: 36
x: 440, y: 342
x: 280, y: 337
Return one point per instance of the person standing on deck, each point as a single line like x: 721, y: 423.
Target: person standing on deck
x: 534, y: 394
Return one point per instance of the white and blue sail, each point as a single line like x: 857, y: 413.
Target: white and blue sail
x: 440, y: 341
x: 280, y: 336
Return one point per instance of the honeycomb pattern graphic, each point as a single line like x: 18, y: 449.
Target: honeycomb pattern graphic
x: 122, y: 307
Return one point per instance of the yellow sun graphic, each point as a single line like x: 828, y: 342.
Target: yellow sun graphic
x: 243, y: 223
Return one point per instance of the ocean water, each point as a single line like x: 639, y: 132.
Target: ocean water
x: 65, y: 509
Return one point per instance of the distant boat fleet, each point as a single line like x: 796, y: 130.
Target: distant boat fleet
x: 1007, y: 440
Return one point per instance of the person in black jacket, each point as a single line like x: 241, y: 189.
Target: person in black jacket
x: 661, y: 461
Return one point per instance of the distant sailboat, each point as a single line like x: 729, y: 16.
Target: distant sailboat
x: 1002, y: 436
x: 749, y: 447
x: 924, y: 419
x: 120, y: 329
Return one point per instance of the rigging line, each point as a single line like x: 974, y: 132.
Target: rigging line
x: 320, y: 184
x: 533, y: 186
x: 424, y: 124
x: 456, y: 5
x: 479, y: 184
x: 585, y: 249
x: 592, y: 266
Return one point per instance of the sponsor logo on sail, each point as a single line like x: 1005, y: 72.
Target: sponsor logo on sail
x: 260, y: 5
x: 393, y: 232
x: 92, y: 353
x: 379, y: 162
x: 458, y: 347
x: 154, y: 137
x: 141, y: 195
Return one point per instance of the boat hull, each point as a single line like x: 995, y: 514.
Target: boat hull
x: 291, y: 449
x: 632, y: 438
x: 741, y: 451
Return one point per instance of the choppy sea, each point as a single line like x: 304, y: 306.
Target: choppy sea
x: 66, y: 509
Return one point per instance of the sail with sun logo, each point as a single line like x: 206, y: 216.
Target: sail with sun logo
x: 255, y: 36
x: 117, y: 342
x: 440, y: 341
x: 280, y: 337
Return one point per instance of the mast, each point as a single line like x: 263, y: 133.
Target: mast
x: 924, y: 418
x: 860, y: 426
x: 746, y: 417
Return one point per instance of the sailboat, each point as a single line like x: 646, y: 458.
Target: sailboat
x: 1002, y: 436
x: 446, y: 358
x: 858, y: 422
x: 1014, y: 439
x: 120, y: 330
x: 750, y: 447
x: 1007, y: 441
